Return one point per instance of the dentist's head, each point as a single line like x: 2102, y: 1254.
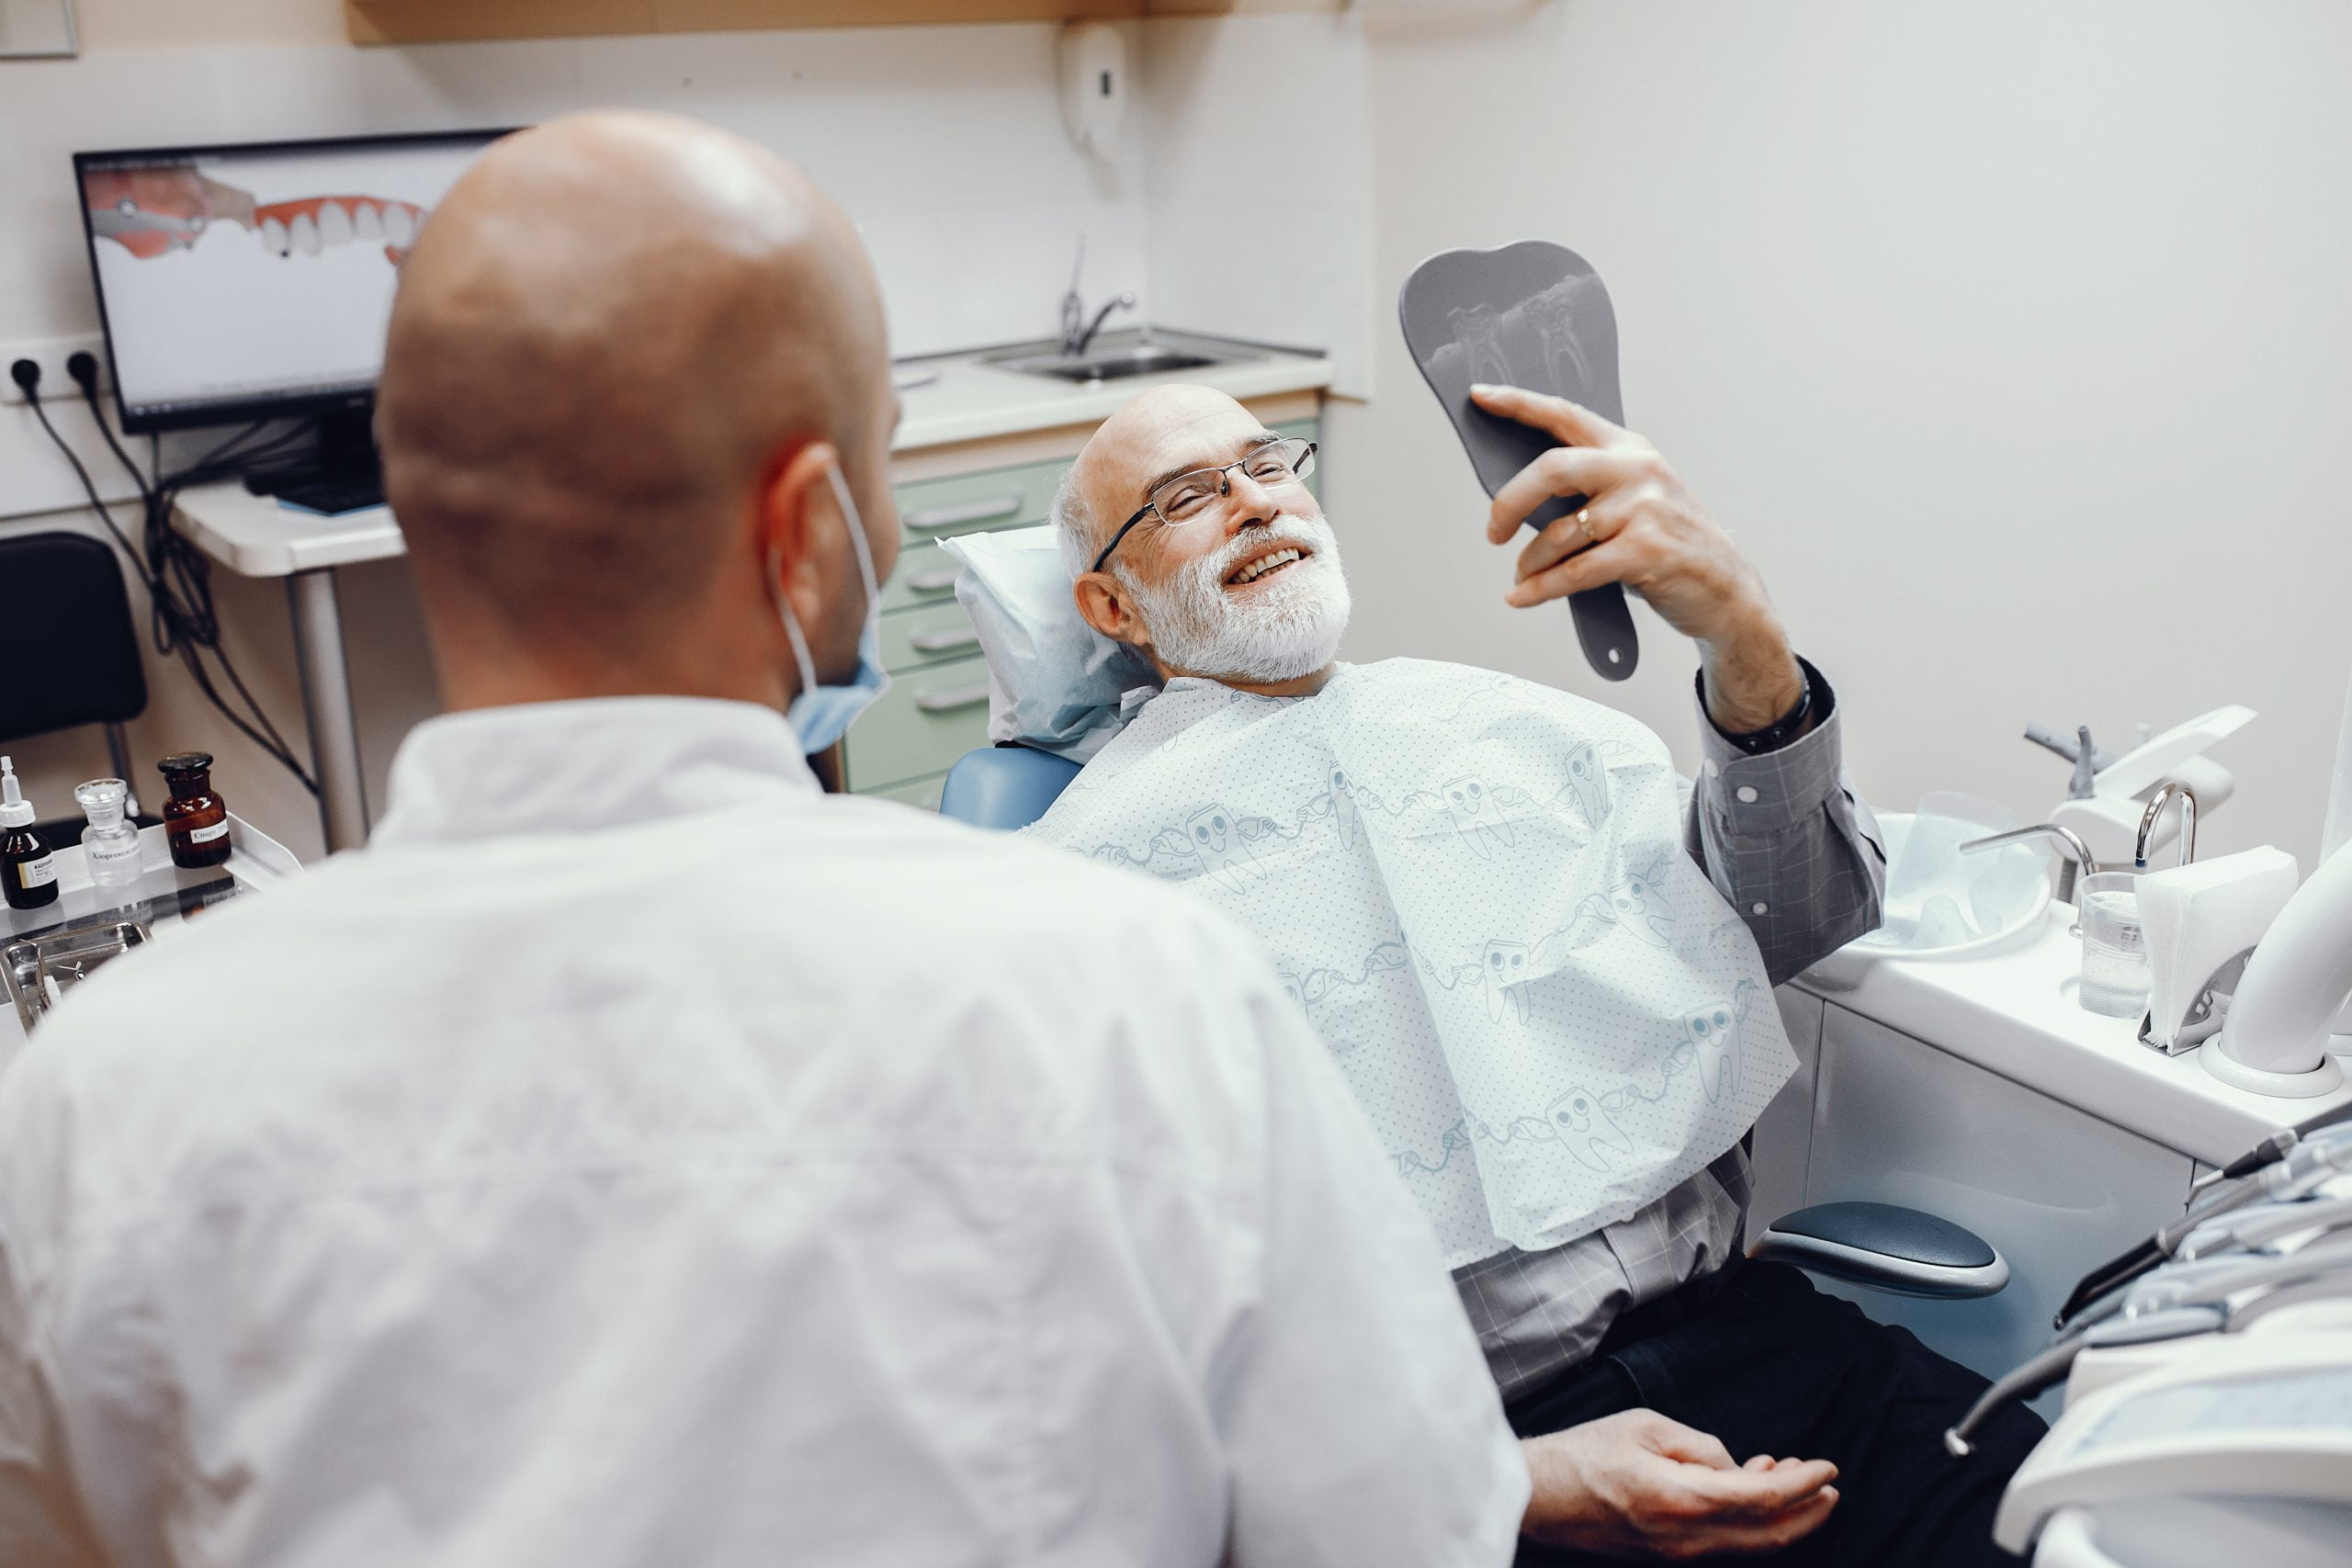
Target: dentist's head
x: 1190, y: 532
x: 635, y: 398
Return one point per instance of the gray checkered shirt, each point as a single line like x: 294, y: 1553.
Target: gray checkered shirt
x: 1784, y: 838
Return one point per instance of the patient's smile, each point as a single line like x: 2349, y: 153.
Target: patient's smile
x: 1266, y: 565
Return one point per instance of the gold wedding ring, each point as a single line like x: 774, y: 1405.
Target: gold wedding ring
x: 1584, y: 525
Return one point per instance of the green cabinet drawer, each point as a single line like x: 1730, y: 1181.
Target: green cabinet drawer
x: 998, y: 497
x: 926, y: 575
x: 923, y: 794
x: 927, y: 635
x: 929, y: 717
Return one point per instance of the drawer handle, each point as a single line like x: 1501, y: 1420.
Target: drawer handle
x: 945, y: 642
x: 932, y: 581
x: 987, y: 509
x: 948, y: 702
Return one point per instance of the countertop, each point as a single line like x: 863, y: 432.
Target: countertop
x: 966, y: 400
x: 972, y: 400
x: 2012, y: 1013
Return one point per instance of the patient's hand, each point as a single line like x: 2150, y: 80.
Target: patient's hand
x: 1643, y: 528
x: 1636, y: 1484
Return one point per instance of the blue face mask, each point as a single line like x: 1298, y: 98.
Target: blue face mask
x: 822, y: 715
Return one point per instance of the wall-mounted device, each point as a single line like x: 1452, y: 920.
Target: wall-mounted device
x: 37, y: 30
x: 1095, y: 87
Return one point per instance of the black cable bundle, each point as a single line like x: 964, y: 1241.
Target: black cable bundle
x: 177, y: 574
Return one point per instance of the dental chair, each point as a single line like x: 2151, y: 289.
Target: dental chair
x: 1882, y: 1245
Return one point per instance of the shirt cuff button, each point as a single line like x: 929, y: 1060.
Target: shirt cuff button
x: 1746, y: 795
x: 1759, y: 908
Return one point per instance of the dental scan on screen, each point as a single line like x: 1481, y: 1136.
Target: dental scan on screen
x: 238, y: 274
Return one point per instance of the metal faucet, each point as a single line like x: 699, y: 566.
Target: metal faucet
x: 2167, y: 793
x: 1076, y: 330
x: 2077, y: 861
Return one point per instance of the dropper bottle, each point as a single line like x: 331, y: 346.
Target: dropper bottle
x: 28, y: 871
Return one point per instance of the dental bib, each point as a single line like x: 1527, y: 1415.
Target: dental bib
x: 1476, y: 888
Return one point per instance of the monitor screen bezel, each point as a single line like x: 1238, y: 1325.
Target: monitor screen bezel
x: 141, y: 419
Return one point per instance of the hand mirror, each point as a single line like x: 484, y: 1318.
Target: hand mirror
x: 1533, y: 315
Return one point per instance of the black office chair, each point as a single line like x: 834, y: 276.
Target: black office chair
x: 69, y: 651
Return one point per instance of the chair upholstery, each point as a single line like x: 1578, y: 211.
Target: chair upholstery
x: 68, y: 647
x: 1004, y: 787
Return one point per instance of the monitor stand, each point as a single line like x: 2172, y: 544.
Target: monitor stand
x: 341, y: 470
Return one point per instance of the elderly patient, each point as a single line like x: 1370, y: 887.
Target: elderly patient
x: 1543, y: 961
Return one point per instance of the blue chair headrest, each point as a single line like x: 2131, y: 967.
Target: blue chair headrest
x: 1004, y: 787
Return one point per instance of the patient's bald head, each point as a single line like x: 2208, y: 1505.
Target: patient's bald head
x: 625, y: 348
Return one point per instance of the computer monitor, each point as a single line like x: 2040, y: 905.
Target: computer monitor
x: 253, y: 280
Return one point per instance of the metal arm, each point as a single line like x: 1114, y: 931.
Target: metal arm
x: 2167, y: 793
x: 2076, y: 861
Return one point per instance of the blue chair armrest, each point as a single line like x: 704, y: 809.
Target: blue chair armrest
x: 1004, y: 787
x: 1887, y: 1247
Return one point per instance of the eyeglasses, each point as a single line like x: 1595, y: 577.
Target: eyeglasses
x: 1194, y: 495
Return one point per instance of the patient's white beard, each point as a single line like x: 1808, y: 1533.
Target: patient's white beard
x: 1288, y: 629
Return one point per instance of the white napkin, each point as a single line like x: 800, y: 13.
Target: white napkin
x: 2196, y: 917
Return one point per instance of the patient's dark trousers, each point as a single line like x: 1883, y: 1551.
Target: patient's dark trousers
x: 1760, y: 1358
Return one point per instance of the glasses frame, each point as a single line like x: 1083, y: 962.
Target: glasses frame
x: 1301, y: 467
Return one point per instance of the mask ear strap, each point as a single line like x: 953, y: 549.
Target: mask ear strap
x: 791, y: 622
x: 848, y: 504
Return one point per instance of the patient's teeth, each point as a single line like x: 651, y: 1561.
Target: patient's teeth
x: 304, y: 233
x: 334, y: 223
x: 272, y: 235
x: 400, y: 224
x: 367, y: 221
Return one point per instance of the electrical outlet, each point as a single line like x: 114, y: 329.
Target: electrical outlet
x: 50, y: 353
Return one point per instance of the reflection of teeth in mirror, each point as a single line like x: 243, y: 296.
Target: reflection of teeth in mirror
x: 400, y: 224
x: 334, y: 223
x: 366, y: 222
x: 304, y: 233
x: 272, y: 236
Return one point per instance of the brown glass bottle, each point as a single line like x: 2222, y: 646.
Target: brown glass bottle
x: 195, y: 820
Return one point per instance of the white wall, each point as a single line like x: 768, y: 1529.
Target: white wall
x: 2012, y: 339
x: 945, y: 142
x: 1257, y: 175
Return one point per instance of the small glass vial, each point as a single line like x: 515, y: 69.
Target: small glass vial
x: 28, y: 871
x: 195, y: 820
x: 110, y: 844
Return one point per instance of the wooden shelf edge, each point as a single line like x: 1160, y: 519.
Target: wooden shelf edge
x: 455, y: 21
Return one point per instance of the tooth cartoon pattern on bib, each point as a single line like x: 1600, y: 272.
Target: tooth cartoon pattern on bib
x: 1474, y: 888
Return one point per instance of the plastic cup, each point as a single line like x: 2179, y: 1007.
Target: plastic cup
x: 2115, y: 951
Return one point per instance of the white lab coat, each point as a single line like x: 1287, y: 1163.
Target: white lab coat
x: 636, y: 1157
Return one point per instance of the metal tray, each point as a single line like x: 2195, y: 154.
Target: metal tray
x: 40, y: 970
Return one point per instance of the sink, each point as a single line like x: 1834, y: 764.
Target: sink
x: 1116, y: 365
x: 1119, y: 359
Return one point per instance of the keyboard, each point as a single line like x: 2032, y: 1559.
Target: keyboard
x: 329, y: 497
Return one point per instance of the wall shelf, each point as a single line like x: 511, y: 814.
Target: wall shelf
x: 442, y: 21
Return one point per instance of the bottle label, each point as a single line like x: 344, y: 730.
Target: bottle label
x: 37, y: 873
x: 106, y: 854
x: 206, y: 835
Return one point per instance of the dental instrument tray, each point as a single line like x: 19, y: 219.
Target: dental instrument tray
x: 39, y: 970
x: 1534, y: 315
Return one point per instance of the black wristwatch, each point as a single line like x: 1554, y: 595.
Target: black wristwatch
x: 1780, y: 732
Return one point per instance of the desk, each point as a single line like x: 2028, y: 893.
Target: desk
x: 255, y: 537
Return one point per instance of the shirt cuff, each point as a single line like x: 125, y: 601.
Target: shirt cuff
x: 1774, y: 790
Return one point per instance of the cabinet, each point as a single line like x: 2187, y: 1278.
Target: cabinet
x: 937, y: 706
x: 1894, y: 1120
